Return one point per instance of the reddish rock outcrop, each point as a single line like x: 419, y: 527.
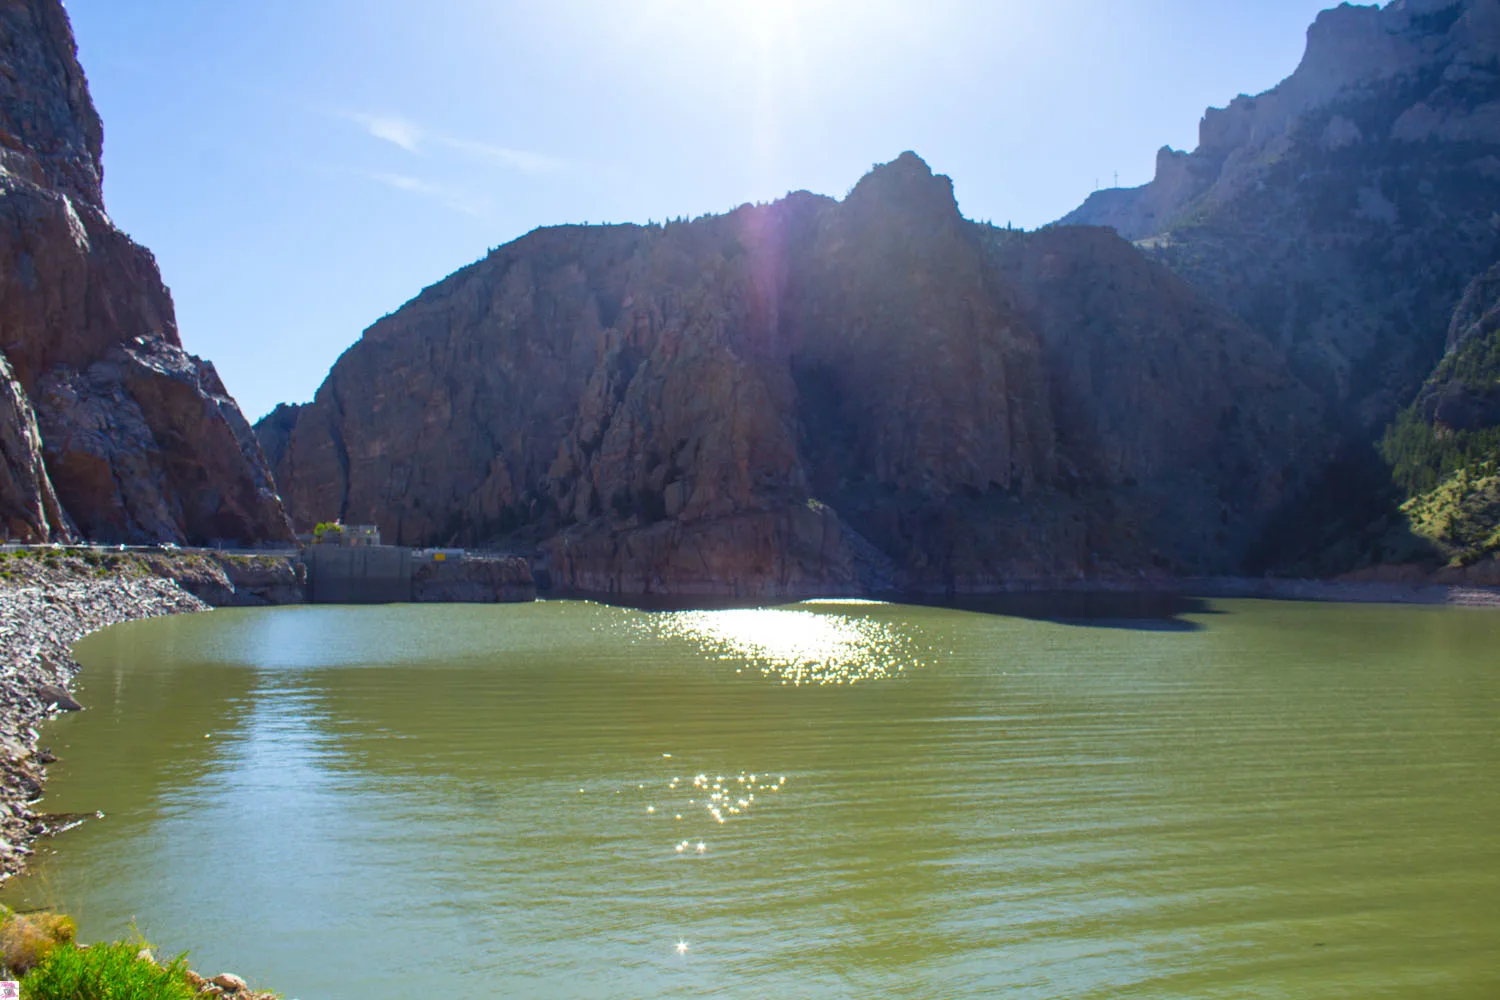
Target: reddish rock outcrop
x: 808, y: 396
x: 140, y: 441
x: 28, y: 505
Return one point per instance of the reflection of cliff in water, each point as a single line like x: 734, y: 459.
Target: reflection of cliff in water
x: 1152, y: 611
x: 163, y: 709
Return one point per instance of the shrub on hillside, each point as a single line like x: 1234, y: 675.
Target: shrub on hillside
x: 27, y: 940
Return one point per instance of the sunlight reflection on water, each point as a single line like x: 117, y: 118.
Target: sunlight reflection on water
x: 800, y: 646
x: 470, y: 800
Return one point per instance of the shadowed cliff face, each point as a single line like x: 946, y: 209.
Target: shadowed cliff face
x: 28, y: 504
x: 139, y: 440
x: 1463, y: 393
x: 806, y: 396
x: 1444, y: 449
x: 1343, y: 212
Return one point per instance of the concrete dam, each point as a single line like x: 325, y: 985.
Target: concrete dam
x: 389, y: 574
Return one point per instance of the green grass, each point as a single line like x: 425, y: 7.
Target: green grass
x: 106, y: 972
x: 38, y: 948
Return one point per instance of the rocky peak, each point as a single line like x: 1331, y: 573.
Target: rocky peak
x: 1350, y: 44
x: 1350, y: 47
x: 50, y: 133
x: 1343, y: 211
x: 274, y: 431
x: 905, y: 187
x: 1351, y: 50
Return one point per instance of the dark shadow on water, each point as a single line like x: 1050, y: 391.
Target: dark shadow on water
x: 1137, y: 611
x: 668, y: 602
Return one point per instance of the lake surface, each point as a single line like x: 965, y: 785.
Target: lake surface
x: 1229, y: 799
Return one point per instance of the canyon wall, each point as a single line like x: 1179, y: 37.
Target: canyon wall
x: 1342, y: 212
x: 809, y: 396
x: 109, y: 430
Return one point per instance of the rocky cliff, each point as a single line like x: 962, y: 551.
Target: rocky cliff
x: 28, y: 504
x: 1445, y: 448
x: 1343, y: 212
x: 138, y: 440
x: 812, y: 395
x: 1463, y: 393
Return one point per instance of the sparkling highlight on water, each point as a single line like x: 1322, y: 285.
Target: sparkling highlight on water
x: 800, y: 645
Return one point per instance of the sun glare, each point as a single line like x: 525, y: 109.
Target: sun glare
x: 766, y: 29
x: 798, y: 646
x: 764, y: 22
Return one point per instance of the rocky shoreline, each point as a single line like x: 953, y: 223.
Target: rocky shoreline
x: 51, y: 598
x: 1416, y: 590
x: 39, y: 622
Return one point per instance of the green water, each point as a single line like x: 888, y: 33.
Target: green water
x: 1248, y: 799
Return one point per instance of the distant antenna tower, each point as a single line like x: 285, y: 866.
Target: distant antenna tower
x: 1117, y: 178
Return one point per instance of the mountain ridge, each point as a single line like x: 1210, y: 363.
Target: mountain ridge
x: 1342, y: 212
x: 860, y: 394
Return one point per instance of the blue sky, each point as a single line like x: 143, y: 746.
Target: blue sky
x: 303, y: 167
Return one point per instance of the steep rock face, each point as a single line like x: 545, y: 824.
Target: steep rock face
x: 1463, y: 393
x: 1444, y: 449
x: 488, y: 580
x: 1161, y: 399
x: 28, y: 505
x: 919, y: 382
x: 894, y: 316
x: 146, y: 443
x: 52, y: 135
x: 1342, y: 212
x: 808, y: 396
x: 140, y: 440
x: 274, y: 432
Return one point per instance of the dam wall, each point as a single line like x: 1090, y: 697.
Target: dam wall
x: 387, y: 574
x: 359, y: 575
